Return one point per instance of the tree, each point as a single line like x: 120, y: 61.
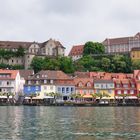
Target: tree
x: 87, y: 62
x: 66, y: 65
x: 20, y: 52
x: 101, y: 95
x: 118, y: 64
x: 136, y: 64
x: 37, y: 64
x: 91, y: 48
x: 105, y: 63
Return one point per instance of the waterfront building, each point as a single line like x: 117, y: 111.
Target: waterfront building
x: 125, y: 87
x: 11, y: 82
x: 50, y: 48
x: 76, y: 52
x: 84, y: 87
x: 122, y: 44
x: 45, y: 82
x: 104, y: 86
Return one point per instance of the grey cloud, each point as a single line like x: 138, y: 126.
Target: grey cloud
x: 70, y: 21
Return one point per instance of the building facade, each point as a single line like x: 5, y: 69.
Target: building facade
x: 10, y: 82
x: 121, y: 45
x: 45, y: 82
x: 50, y: 48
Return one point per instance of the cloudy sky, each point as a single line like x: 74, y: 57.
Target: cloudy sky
x: 69, y: 21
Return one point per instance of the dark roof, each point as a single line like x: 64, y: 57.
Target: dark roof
x: 26, y: 73
x: 51, y: 74
x: 135, y: 49
x: 14, y: 44
x: 103, y: 81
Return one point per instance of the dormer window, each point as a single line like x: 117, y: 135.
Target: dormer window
x: 133, y: 85
x: 88, y: 84
x: 80, y: 84
x: 51, y: 81
x: 37, y: 76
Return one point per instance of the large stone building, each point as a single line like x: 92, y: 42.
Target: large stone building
x: 121, y: 45
x: 49, y: 48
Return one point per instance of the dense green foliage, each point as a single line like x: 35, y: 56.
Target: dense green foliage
x: 93, y: 48
x: 13, y: 67
x: 7, y: 54
x: 116, y: 63
x: 63, y: 63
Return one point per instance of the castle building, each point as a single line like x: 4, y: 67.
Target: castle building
x: 121, y: 45
x: 50, y: 48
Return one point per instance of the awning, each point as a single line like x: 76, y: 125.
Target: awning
x: 48, y: 97
x: 37, y: 98
x: 3, y: 97
x: 27, y: 98
x: 87, y: 96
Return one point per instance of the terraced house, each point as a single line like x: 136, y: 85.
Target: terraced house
x: 11, y: 82
x: 45, y: 82
x: 50, y: 48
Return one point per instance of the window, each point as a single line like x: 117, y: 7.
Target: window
x: 119, y: 92
x: 29, y: 82
x: 88, y: 84
x: 0, y: 82
x: 29, y: 88
x: 37, y: 87
x: 96, y: 85
x: 45, y: 87
x: 125, y: 92
x: 63, y: 90
x: 51, y: 81
x: 59, y: 89
x: 37, y: 76
x: 8, y: 83
x: 110, y: 91
x: 118, y: 85
x: 85, y: 91
x: 45, y: 81
x: 80, y: 84
x: 133, y: 85
x: 67, y: 90
x: 37, y: 82
x: 125, y: 85
x: 51, y: 87
x: 72, y: 89
x: 131, y: 91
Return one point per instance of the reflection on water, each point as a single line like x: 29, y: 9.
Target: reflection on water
x: 69, y: 123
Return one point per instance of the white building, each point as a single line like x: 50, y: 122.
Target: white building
x: 11, y: 82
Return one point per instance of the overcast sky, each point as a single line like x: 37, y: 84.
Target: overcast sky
x: 69, y: 21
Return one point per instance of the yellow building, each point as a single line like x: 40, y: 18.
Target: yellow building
x: 135, y: 54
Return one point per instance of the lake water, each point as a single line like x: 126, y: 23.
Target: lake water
x: 69, y: 123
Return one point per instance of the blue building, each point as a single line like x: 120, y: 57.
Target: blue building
x: 32, y: 89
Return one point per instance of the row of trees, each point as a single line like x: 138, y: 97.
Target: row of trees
x: 7, y: 54
x: 61, y: 63
x: 116, y: 63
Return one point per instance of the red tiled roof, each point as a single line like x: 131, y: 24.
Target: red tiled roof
x: 76, y: 50
x: 12, y: 74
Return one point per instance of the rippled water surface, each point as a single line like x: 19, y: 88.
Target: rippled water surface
x: 69, y: 123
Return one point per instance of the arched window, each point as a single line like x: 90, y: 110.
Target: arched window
x: 80, y: 84
x: 88, y: 84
